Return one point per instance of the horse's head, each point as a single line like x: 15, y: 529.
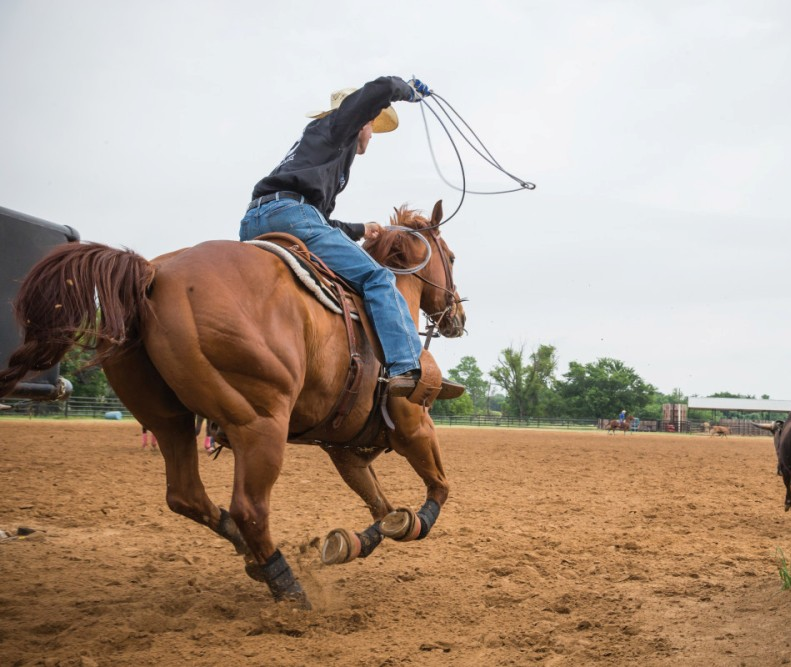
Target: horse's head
x: 400, y: 250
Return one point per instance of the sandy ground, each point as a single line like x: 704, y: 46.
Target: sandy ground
x: 561, y: 548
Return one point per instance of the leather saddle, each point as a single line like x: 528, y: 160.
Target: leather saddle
x: 338, y: 296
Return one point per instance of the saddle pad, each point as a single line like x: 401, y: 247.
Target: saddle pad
x: 322, y: 293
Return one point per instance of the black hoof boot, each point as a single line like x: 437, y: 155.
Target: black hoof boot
x: 277, y: 574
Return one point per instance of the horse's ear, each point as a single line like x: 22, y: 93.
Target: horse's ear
x: 436, y: 214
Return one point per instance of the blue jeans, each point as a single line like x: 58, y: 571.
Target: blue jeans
x: 386, y: 307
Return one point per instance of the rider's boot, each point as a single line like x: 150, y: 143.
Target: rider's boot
x: 406, y: 383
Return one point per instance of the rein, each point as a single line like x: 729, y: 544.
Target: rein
x: 425, y: 235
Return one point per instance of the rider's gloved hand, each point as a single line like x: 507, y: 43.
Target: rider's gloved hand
x: 373, y: 230
x: 419, y: 90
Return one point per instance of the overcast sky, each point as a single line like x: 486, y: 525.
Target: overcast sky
x: 657, y: 133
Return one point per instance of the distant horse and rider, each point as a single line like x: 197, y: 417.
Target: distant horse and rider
x: 621, y: 424
x: 225, y: 330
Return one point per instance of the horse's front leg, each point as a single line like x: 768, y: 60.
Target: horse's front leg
x: 415, y: 439
x: 342, y: 545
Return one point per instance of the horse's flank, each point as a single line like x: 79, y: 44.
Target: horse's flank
x: 243, y: 342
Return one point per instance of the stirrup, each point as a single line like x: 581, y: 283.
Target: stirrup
x: 430, y: 385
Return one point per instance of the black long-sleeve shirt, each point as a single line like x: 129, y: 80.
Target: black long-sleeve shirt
x: 317, y: 166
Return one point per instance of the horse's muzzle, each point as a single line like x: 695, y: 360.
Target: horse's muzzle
x: 452, y: 326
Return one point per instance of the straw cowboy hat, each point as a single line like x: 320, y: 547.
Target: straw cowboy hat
x: 386, y: 121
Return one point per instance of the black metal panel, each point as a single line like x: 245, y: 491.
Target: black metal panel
x: 23, y: 241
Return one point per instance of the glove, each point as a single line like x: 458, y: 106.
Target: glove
x: 419, y: 90
x: 373, y: 230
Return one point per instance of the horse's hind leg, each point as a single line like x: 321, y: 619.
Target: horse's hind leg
x: 341, y: 545
x: 148, y: 397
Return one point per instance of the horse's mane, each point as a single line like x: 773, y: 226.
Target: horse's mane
x: 399, y: 250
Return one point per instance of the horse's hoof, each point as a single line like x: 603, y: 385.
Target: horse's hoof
x: 340, y: 546
x: 299, y: 601
x: 402, y: 525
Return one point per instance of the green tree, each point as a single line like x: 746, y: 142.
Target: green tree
x: 603, y: 388
x: 495, y: 403
x: 727, y: 394
x: 528, y: 386
x: 540, y: 381
x: 653, y: 409
x: 474, y: 399
x: 509, y: 373
x: 470, y: 375
x: 87, y: 379
x: 460, y: 406
x: 456, y: 407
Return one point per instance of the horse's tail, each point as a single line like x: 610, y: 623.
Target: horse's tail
x: 84, y: 294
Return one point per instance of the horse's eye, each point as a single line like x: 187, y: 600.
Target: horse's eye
x: 452, y: 259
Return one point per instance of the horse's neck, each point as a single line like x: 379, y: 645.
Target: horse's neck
x: 412, y: 290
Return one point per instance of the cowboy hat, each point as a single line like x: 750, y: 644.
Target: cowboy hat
x: 386, y: 121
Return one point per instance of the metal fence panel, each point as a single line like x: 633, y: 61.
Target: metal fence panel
x: 94, y: 408
x: 76, y: 406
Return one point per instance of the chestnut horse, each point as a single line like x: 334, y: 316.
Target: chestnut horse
x: 223, y: 330
x: 617, y: 425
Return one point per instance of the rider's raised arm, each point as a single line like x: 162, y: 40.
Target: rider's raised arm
x: 365, y: 104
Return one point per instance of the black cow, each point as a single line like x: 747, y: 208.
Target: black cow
x: 781, y: 430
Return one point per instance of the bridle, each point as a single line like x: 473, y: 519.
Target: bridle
x: 451, y: 300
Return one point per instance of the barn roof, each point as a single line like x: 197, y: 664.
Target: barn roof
x: 746, y: 404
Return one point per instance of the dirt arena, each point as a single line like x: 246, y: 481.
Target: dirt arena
x: 559, y: 548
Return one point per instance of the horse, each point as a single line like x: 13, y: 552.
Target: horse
x: 224, y: 330
x: 618, y: 425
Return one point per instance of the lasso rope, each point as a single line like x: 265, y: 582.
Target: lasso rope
x: 441, y: 104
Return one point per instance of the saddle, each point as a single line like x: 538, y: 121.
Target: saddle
x: 329, y: 289
x: 338, y: 296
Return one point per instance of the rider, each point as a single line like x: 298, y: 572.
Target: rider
x: 622, y: 416
x: 299, y: 195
